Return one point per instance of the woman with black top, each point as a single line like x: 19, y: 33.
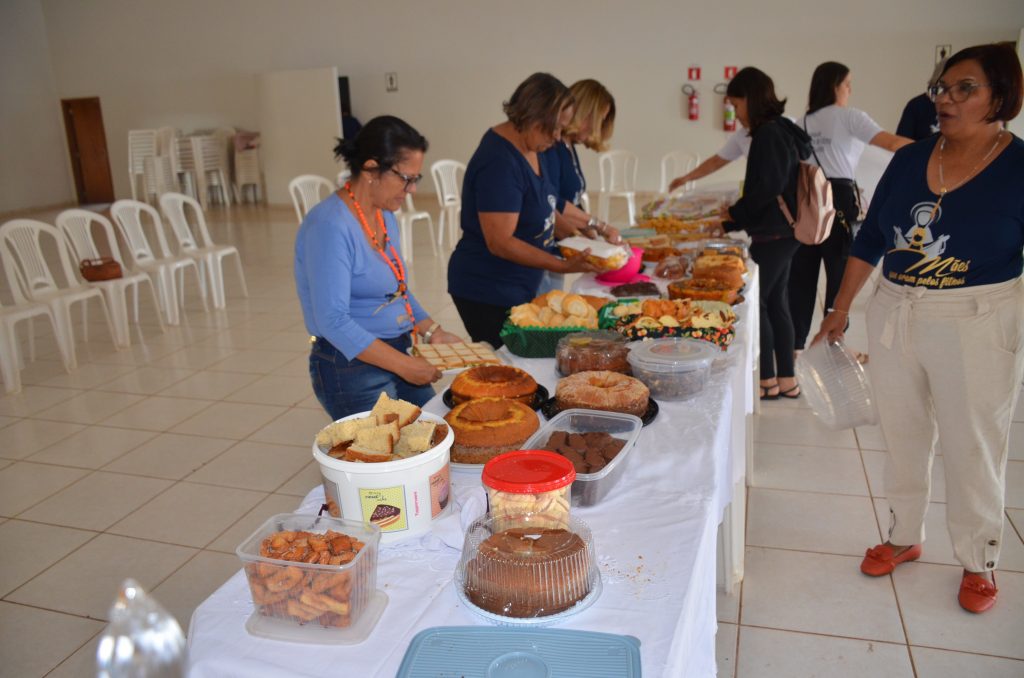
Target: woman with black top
x: 776, y: 147
x: 839, y: 133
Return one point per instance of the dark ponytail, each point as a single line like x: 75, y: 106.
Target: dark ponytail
x: 385, y: 139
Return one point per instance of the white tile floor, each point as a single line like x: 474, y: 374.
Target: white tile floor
x: 156, y: 462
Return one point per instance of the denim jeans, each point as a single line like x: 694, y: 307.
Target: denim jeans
x: 347, y: 387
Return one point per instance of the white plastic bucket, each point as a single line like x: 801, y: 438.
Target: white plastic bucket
x: 836, y: 386
x: 402, y: 497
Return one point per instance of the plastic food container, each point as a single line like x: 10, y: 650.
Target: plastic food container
x: 489, y: 651
x: 402, y: 496
x: 288, y: 594
x: 590, y: 488
x: 529, y: 481
x: 530, y: 574
x: 584, y: 351
x: 836, y: 386
x: 628, y: 271
x: 673, y: 368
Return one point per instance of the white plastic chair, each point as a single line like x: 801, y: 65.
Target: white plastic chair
x: 11, y: 363
x: 161, y: 269
x: 618, y: 180
x: 676, y: 164
x: 142, y: 144
x: 209, y: 255
x: 307, y: 190
x: 24, y: 237
x: 183, y: 164
x: 212, y: 169
x: 447, y: 176
x: 76, y: 225
x: 407, y: 216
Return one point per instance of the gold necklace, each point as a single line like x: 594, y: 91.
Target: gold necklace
x: 942, y: 180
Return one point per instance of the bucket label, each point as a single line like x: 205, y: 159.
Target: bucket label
x: 331, y: 498
x: 385, y: 507
x: 440, y: 489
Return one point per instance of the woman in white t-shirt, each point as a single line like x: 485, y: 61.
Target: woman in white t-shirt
x: 838, y: 134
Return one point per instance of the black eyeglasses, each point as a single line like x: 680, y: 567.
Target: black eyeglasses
x: 958, y: 91
x: 412, y: 180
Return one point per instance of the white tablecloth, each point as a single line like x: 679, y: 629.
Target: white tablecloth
x: 655, y: 535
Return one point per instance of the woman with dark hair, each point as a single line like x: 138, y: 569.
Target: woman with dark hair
x: 838, y: 134
x: 946, y: 321
x: 776, y: 147
x: 351, y: 281
x: 509, y: 211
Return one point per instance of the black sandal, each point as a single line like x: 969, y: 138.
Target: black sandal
x: 766, y: 393
x: 786, y: 394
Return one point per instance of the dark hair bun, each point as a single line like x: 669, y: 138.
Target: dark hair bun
x: 385, y: 139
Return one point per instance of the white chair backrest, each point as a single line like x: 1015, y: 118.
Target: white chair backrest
x: 14, y: 281
x: 141, y: 145
x: 76, y: 225
x: 307, y: 190
x: 166, y: 140
x: 176, y: 207
x: 128, y: 217
x: 676, y: 164
x: 618, y: 170
x: 447, y: 176
x: 23, y: 238
x: 182, y: 156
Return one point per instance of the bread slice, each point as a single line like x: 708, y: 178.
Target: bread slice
x: 414, y: 439
x: 342, y: 432
x: 373, y: 444
x: 574, y: 304
x: 407, y: 412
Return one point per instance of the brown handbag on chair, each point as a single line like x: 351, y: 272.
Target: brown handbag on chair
x: 97, y: 270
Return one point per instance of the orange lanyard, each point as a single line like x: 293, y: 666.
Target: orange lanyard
x: 396, y: 266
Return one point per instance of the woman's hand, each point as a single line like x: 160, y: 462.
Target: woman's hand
x: 578, y: 263
x: 676, y: 183
x: 444, y: 337
x: 610, y: 234
x: 833, y: 327
x: 418, y: 371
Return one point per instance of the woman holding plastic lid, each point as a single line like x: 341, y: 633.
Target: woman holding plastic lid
x: 839, y: 133
x: 508, y: 211
x: 946, y: 320
x: 351, y: 281
x: 776, y: 147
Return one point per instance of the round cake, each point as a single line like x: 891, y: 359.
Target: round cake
x: 602, y: 390
x: 487, y: 427
x: 494, y: 381
x: 529, y: 572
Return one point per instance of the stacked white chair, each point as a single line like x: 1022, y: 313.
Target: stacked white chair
x: 209, y: 255
x: 676, y: 164
x: 307, y: 190
x: 407, y: 216
x: 448, y: 176
x: 77, y: 225
x: 142, y: 145
x: 10, y: 316
x: 247, y: 173
x: 166, y: 270
x: 184, y: 165
x: 211, y: 167
x: 23, y: 239
x: 618, y: 180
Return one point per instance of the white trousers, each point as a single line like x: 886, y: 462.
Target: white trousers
x: 947, y: 365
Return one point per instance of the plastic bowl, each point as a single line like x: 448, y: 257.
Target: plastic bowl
x: 836, y: 386
x: 628, y: 272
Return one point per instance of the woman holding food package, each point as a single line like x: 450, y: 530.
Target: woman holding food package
x: 839, y: 133
x: 509, y: 211
x: 946, y: 320
x: 776, y: 147
x: 351, y: 280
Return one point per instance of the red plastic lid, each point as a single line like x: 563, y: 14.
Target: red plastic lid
x: 528, y: 472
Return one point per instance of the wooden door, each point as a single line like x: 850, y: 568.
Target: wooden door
x: 87, y: 144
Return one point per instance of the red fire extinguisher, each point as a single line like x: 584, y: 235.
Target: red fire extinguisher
x: 729, y: 117
x: 694, y: 108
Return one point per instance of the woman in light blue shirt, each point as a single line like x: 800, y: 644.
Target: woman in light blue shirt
x: 352, y: 282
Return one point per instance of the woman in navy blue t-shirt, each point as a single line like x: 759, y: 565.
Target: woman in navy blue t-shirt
x: 946, y: 321
x: 508, y: 211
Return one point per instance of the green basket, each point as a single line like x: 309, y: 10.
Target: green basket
x: 535, y: 342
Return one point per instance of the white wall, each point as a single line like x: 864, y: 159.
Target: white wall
x: 193, y: 63
x: 34, y: 169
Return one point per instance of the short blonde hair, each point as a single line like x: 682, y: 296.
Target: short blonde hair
x: 593, y: 102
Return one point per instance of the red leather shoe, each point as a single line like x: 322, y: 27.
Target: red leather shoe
x: 881, y: 560
x: 977, y: 593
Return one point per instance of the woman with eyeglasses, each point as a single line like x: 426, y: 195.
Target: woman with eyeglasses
x: 839, y: 133
x: 946, y: 321
x: 352, y: 284
x: 509, y: 211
